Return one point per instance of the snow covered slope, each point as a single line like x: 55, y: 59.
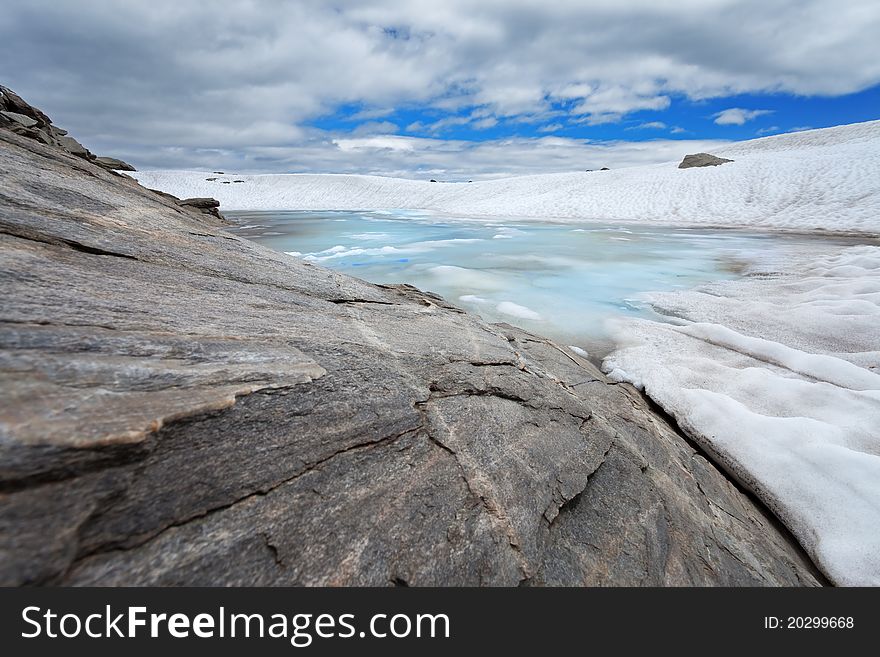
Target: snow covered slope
x: 825, y: 179
x: 778, y: 376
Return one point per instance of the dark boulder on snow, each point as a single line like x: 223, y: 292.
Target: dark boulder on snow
x: 701, y: 160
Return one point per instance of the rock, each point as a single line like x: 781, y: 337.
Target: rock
x: 44, y: 137
x: 604, y: 169
x: 165, y: 195
x: 11, y: 101
x: 701, y: 160
x: 21, y: 119
x: 202, y: 203
x: 73, y: 147
x: 185, y: 407
x: 206, y: 206
x: 112, y: 164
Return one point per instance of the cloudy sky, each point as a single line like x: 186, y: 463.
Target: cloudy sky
x: 451, y: 89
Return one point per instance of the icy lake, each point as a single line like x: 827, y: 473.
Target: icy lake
x: 561, y: 280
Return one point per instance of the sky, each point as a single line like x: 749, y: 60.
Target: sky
x: 445, y: 89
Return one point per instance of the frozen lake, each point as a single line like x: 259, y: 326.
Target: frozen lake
x: 561, y: 280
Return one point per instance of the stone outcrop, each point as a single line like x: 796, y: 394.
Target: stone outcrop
x: 701, y: 160
x: 21, y: 118
x: 208, y: 206
x: 112, y: 164
x: 182, y: 406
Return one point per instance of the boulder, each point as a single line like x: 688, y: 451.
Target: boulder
x: 701, y: 160
x: 202, y: 203
x: 112, y: 164
x: 209, y: 207
x: 73, y: 147
x: 185, y: 407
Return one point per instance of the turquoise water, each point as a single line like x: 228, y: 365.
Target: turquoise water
x: 560, y: 280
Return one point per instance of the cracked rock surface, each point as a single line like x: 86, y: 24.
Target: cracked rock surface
x: 182, y: 406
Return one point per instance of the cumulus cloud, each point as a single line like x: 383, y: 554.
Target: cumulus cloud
x: 385, y: 142
x: 650, y: 125
x: 738, y: 115
x: 245, y: 80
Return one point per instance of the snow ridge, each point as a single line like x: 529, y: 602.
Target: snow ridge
x: 826, y: 180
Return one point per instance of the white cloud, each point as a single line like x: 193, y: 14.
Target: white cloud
x: 479, y: 119
x: 650, y: 125
x: 551, y: 127
x: 610, y: 104
x: 385, y: 142
x: 767, y: 131
x: 486, y: 123
x: 738, y: 115
x: 440, y: 125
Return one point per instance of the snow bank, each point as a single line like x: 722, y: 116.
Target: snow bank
x: 776, y: 375
x: 825, y: 179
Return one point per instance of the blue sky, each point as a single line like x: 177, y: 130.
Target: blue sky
x: 454, y: 90
x: 683, y: 119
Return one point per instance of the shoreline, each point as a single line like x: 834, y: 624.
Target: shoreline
x: 871, y: 236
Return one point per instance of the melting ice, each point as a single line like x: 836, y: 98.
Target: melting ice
x: 555, y: 279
